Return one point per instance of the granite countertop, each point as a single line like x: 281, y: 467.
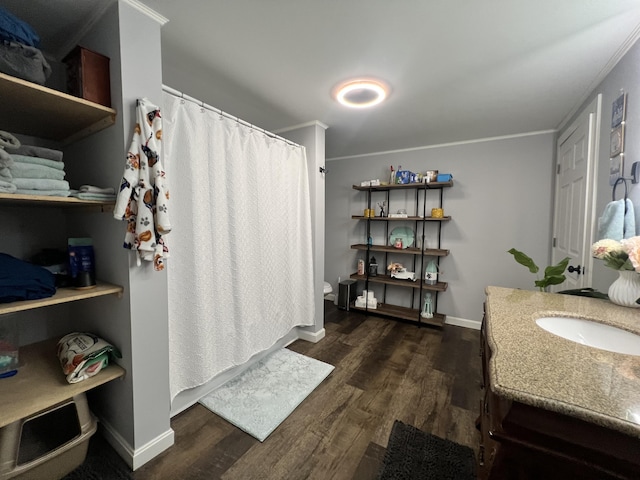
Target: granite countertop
x: 535, y: 367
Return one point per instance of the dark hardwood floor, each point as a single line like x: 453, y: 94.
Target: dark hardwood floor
x: 384, y: 370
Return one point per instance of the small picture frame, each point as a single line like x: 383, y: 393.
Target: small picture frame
x: 618, y: 110
x: 616, y: 167
x: 617, y: 141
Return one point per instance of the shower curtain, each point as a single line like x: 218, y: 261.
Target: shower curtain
x: 240, y: 273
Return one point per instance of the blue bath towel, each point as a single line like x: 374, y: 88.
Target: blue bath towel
x: 20, y: 280
x: 617, y: 222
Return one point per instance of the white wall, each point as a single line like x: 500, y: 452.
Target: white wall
x: 312, y: 137
x: 134, y: 410
x: 501, y: 198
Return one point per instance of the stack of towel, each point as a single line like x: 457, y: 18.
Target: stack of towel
x: 20, y: 55
x: 38, y: 171
x: 7, y: 141
x: 33, y: 170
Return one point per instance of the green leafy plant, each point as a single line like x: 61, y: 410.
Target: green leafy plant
x: 553, y: 274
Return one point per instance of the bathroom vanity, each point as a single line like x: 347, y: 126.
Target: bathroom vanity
x: 552, y: 407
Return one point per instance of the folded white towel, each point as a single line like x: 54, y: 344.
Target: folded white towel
x: 92, y: 189
x: 102, y: 197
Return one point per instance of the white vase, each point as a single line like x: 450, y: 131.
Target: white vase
x: 626, y: 289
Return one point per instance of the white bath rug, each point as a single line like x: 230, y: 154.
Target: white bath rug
x: 259, y: 399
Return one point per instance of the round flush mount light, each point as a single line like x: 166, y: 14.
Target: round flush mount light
x: 361, y: 93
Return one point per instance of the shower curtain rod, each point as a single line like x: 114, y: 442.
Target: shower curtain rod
x: 184, y: 96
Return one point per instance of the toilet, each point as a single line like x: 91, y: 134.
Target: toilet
x: 327, y: 288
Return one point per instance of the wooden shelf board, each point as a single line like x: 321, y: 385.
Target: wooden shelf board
x: 403, y: 313
x: 38, y: 200
x: 386, y: 279
x: 40, y: 382
x: 399, y: 219
x: 434, y: 252
x: 62, y: 295
x: 32, y: 109
x: 408, y: 186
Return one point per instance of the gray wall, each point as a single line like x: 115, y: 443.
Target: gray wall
x: 501, y: 198
x: 624, y: 76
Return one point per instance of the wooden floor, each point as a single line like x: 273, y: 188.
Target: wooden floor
x: 384, y: 370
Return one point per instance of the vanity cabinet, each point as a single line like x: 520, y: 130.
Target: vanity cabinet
x: 38, y: 111
x: 522, y: 441
x: 425, y: 197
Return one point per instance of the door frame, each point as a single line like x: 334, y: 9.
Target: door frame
x: 594, y: 112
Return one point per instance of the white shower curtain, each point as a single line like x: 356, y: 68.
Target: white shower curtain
x: 240, y: 272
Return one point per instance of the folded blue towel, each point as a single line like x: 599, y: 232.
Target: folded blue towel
x: 617, y: 223
x: 30, y: 170
x: 40, y: 184
x: 34, y: 151
x: 7, y: 186
x: 20, y: 280
x: 46, y: 193
x: 38, y: 161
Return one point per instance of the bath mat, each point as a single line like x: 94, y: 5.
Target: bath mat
x: 412, y: 453
x: 260, y: 398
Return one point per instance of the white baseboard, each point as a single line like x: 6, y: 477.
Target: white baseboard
x: 138, y: 457
x: 463, y: 322
x: 313, y: 337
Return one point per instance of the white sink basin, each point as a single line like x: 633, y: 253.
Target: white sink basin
x: 592, y: 334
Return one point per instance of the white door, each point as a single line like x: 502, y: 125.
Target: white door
x: 574, y: 209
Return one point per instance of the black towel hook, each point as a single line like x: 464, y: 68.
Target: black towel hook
x: 615, y: 185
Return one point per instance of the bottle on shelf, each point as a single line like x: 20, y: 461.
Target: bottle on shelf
x: 431, y: 273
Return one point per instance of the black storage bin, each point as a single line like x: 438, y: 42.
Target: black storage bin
x: 346, y: 293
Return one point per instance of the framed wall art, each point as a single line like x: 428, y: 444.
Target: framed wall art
x: 618, y: 110
x: 616, y: 167
x: 617, y: 141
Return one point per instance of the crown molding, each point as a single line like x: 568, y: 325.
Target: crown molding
x: 149, y: 12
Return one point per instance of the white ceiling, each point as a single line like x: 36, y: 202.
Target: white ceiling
x: 459, y: 70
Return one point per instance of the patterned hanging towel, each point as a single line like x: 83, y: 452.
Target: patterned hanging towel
x: 144, y: 192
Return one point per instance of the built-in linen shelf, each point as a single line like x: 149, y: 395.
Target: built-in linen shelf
x: 40, y: 382
x: 434, y: 252
x: 62, y: 295
x: 31, y: 109
x: 388, y: 280
x: 46, y: 200
x: 403, y: 313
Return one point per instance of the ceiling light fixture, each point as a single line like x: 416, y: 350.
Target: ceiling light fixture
x: 361, y: 93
